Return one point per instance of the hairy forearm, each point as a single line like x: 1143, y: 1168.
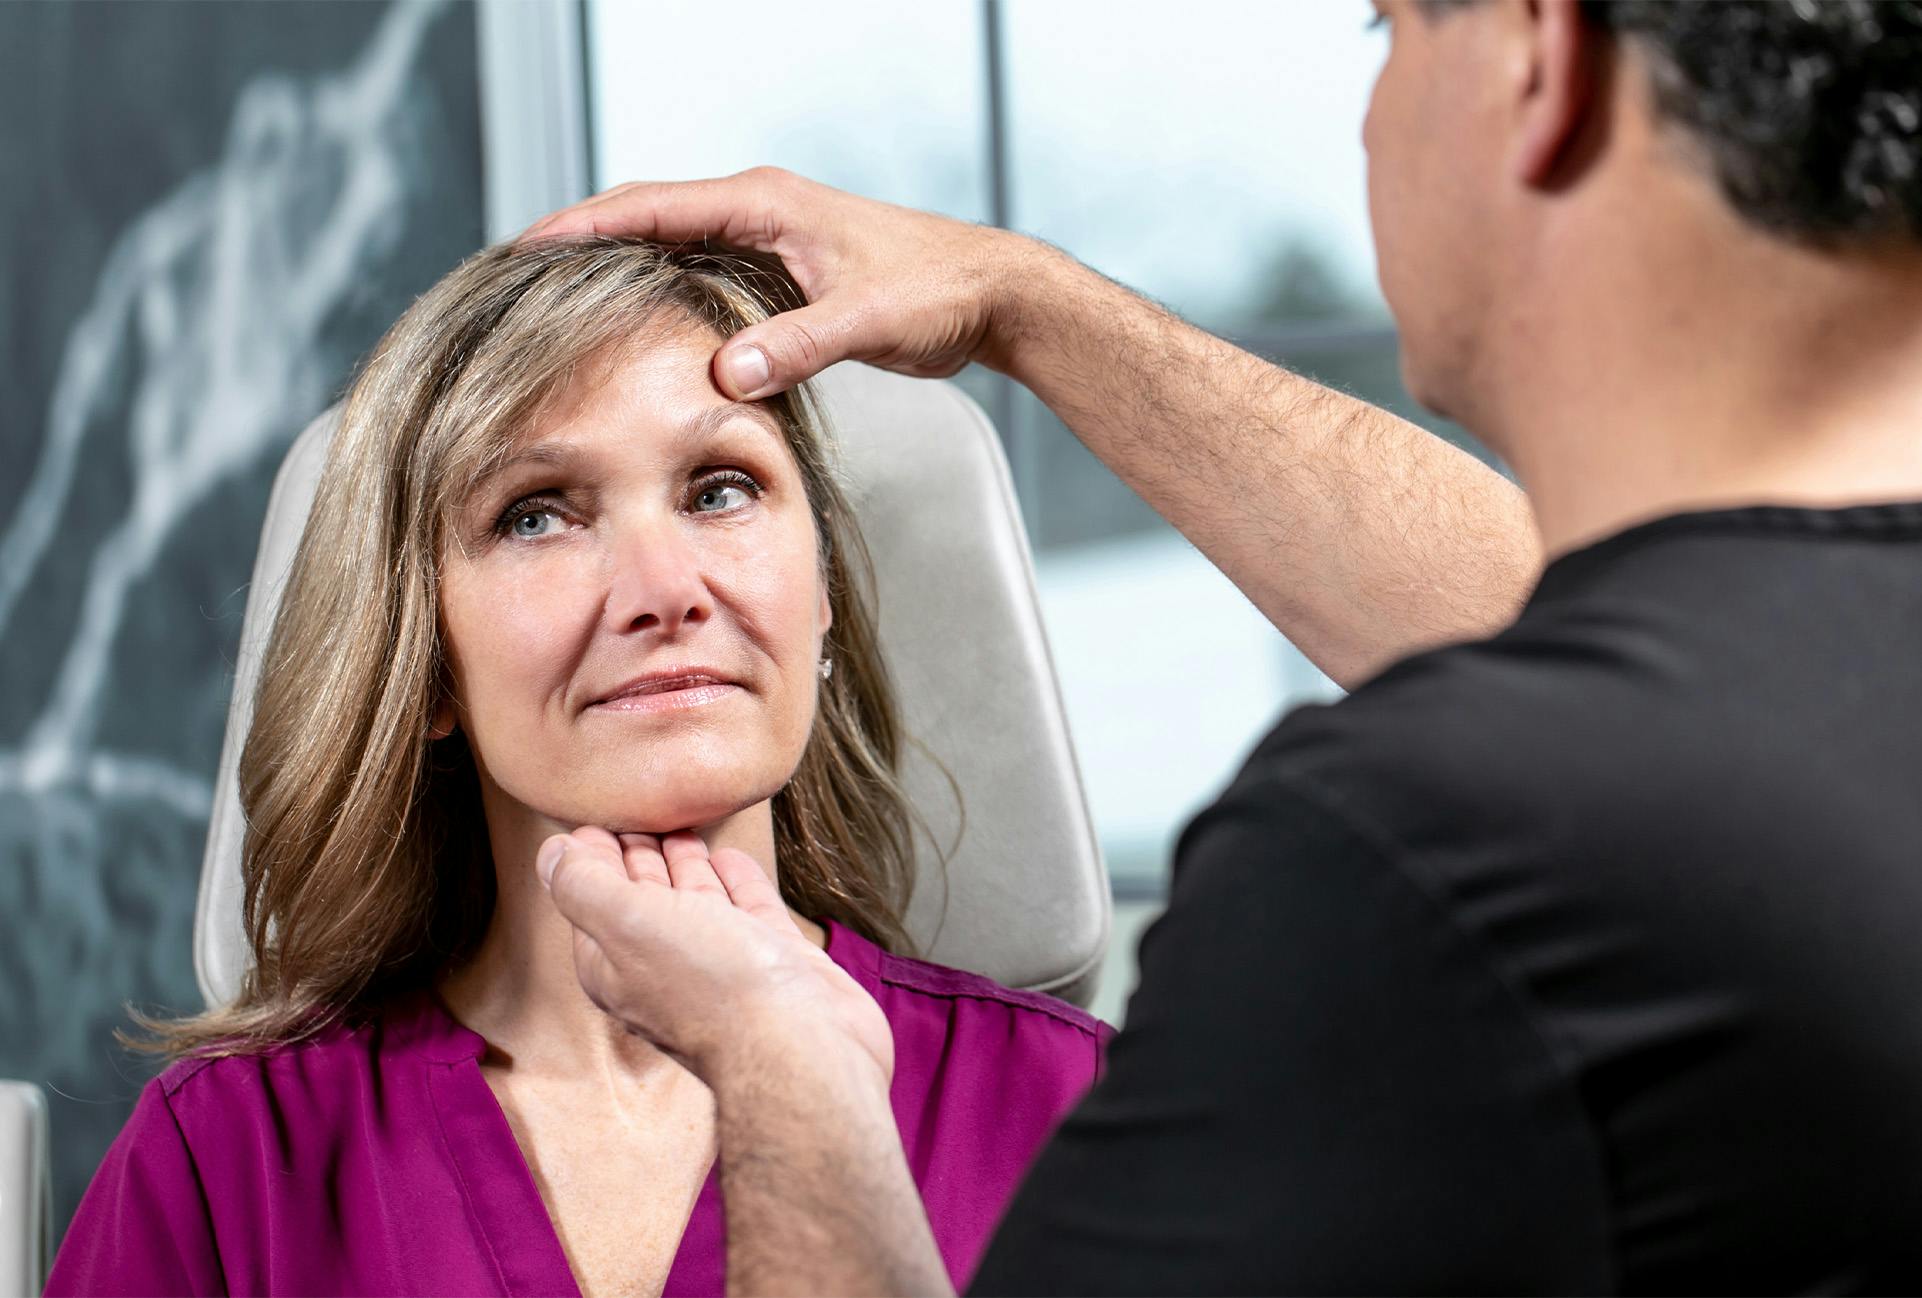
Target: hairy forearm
x: 819, y: 1196
x: 1361, y: 536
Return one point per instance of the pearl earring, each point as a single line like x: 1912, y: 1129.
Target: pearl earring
x: 827, y: 667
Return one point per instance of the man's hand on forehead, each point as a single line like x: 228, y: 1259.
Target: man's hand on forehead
x: 905, y: 290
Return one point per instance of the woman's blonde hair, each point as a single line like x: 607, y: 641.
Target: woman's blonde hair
x: 367, y: 868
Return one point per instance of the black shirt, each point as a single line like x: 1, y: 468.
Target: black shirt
x: 1588, y: 957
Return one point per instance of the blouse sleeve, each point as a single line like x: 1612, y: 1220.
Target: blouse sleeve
x: 143, y: 1226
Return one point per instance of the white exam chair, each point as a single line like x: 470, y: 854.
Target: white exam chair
x: 26, y: 1224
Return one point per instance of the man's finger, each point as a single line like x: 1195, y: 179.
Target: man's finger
x: 593, y: 838
x: 641, y: 853
x: 687, y: 864
x: 750, y: 889
x: 731, y: 209
x: 534, y: 231
x: 590, y: 889
x: 564, y: 215
x: 787, y: 349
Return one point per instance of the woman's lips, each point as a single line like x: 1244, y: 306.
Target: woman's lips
x: 668, y: 694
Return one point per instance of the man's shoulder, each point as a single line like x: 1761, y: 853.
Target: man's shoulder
x: 1470, y: 728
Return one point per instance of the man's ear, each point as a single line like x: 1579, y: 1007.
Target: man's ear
x: 1557, y: 85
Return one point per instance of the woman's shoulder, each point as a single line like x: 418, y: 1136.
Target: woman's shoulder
x: 983, y: 1074
x: 249, y: 1170
x: 346, y: 1057
x: 214, y: 1133
x: 1011, y: 1021
x: 244, y: 1066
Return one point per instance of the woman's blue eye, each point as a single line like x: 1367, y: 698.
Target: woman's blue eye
x: 534, y: 522
x: 719, y: 495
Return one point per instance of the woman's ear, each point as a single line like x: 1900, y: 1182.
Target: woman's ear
x: 444, y: 722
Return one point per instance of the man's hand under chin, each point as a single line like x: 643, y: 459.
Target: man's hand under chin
x: 698, y: 954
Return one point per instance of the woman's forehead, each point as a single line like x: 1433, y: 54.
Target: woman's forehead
x: 660, y: 376
x: 656, y: 386
x: 670, y: 435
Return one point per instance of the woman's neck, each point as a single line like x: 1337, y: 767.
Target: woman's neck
x: 520, y: 991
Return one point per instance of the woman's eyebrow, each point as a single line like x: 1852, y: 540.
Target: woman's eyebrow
x: 563, y: 455
x: 545, y: 453
x: 553, y: 455
x: 710, y: 421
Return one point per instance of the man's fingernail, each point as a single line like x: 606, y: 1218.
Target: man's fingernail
x: 551, y: 852
x: 746, y: 368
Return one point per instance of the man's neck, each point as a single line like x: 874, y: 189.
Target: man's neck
x: 1699, y: 363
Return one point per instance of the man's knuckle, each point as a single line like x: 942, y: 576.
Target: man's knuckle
x: 806, y: 347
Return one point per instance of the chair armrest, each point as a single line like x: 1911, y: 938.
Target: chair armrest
x: 26, y: 1214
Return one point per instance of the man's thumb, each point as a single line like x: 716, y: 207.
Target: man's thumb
x: 589, y: 890
x: 775, y: 355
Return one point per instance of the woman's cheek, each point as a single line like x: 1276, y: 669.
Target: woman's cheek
x: 770, y: 575
x: 531, y: 622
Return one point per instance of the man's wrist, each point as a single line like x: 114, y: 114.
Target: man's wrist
x: 772, y: 1056
x: 820, y: 1196
x: 767, y: 1096
x: 1025, y: 287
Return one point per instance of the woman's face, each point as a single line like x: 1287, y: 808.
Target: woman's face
x: 633, y: 607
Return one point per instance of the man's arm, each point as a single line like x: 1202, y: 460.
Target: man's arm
x: 819, y: 1196
x: 1360, y: 535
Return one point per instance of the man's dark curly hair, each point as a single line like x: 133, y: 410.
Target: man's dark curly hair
x: 1809, y: 111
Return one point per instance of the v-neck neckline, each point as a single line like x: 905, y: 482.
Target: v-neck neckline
x: 510, y: 1217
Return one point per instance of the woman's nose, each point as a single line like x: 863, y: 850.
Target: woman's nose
x: 657, y: 581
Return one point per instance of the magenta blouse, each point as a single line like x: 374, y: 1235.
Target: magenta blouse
x: 375, y: 1160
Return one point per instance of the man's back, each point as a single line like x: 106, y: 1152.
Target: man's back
x: 1583, y: 958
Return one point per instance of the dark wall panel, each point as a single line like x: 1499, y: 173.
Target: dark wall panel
x: 209, y: 212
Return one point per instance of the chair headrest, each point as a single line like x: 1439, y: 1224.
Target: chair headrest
x: 1024, y: 895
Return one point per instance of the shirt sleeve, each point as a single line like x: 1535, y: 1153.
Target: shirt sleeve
x: 143, y: 1226
x: 1321, y: 1086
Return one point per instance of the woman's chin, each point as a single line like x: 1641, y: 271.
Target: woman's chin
x: 656, y: 814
